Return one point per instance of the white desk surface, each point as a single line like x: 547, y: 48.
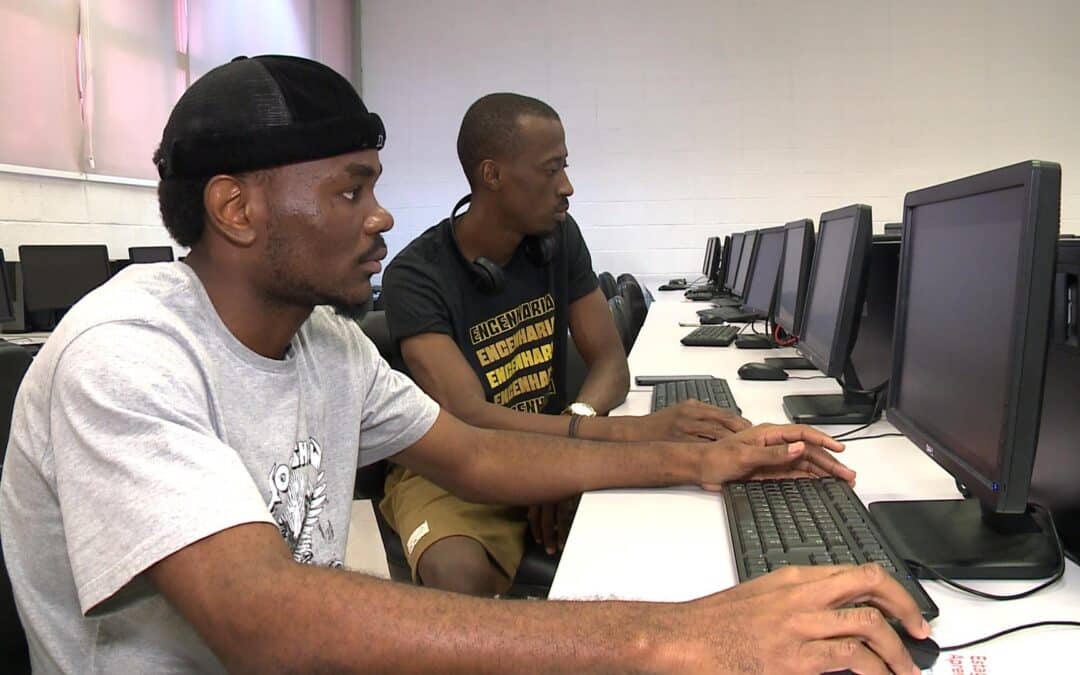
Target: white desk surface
x: 672, y: 544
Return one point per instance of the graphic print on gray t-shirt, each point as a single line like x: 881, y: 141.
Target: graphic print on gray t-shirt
x: 297, y: 496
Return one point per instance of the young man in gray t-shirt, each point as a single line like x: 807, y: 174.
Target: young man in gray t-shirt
x: 176, y: 489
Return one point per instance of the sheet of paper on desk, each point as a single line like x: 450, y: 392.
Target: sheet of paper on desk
x: 961, y: 663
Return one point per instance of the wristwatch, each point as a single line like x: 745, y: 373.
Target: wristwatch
x: 580, y: 409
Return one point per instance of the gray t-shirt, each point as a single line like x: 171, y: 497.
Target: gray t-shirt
x: 144, y: 425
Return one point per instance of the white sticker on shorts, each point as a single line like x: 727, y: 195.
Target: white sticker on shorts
x: 416, y: 536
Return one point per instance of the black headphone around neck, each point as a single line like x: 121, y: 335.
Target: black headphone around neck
x: 486, y: 273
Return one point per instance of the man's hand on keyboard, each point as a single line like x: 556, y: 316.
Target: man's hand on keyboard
x: 800, y: 620
x: 773, y: 451
x: 689, y: 420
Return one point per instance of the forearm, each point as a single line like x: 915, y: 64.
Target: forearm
x: 516, y: 468
x: 607, y: 383
x: 359, y: 624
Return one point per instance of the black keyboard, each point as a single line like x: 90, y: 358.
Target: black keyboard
x: 711, y: 336
x: 700, y: 294
x: 809, y: 521
x: 715, y: 391
x: 731, y: 314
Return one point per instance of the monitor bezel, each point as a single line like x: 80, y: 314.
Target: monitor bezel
x: 1029, y: 343
x: 807, y: 254
x: 733, y: 265
x: 832, y: 363
x: 764, y: 311
x: 751, y: 237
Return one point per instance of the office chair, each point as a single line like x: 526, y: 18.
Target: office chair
x: 626, y: 276
x: 621, y: 315
x: 607, y: 285
x: 537, y: 568
x: 14, y: 360
x: 631, y: 292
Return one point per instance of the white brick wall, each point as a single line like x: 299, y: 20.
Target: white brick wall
x: 46, y: 210
x: 684, y: 118
x: 694, y: 117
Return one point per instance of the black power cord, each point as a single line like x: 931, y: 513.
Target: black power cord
x: 847, y: 439
x: 1007, y: 631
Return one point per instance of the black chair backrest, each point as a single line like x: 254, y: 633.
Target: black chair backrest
x: 626, y: 277
x: 635, y: 303
x: 607, y: 285
x: 14, y: 360
x: 375, y: 327
x: 621, y: 315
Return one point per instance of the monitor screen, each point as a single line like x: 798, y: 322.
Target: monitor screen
x: 762, y: 288
x: 798, y: 252
x: 733, y: 259
x: 150, y: 254
x: 743, y: 271
x: 714, y: 268
x: 836, y: 279
x: 56, y: 277
x: 983, y: 425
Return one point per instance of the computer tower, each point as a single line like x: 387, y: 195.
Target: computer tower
x: 15, y: 286
x: 1055, y: 480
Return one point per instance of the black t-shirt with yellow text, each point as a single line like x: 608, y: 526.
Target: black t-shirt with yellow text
x: 514, y: 341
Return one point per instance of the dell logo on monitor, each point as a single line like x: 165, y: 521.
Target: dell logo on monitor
x: 929, y: 450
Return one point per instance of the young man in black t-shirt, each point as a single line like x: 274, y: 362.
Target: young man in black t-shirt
x: 479, y: 306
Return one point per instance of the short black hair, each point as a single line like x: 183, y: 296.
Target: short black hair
x: 180, y: 201
x: 489, y: 128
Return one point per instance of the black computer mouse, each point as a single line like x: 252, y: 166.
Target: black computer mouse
x: 923, y: 652
x: 761, y: 371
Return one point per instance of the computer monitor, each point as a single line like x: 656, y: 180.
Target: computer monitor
x: 832, y: 296
x: 733, y: 260
x: 871, y: 356
x: 150, y: 254
x: 742, y: 274
x: 830, y: 317
x: 6, y: 311
x: 764, y: 269
x: 978, y: 251
x: 1056, y: 475
x: 56, y: 277
x: 710, y: 243
x: 795, y: 274
x: 725, y: 258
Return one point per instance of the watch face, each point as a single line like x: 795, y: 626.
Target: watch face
x: 583, y: 409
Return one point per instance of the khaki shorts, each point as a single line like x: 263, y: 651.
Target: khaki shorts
x: 422, y: 513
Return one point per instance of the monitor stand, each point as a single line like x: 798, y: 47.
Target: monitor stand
x: 754, y: 342
x: 789, y: 363
x: 845, y: 408
x: 961, y: 539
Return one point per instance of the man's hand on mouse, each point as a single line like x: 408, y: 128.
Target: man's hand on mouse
x: 798, y: 621
x: 773, y: 451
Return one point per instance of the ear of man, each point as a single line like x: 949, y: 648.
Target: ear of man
x: 236, y: 207
x: 490, y: 174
